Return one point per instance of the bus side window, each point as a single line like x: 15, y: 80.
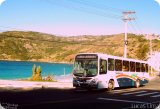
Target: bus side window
x: 118, y: 65
x: 143, y: 67
x: 125, y: 66
x: 132, y: 66
x: 138, y: 67
x: 110, y: 64
x: 103, y: 66
x: 146, y: 67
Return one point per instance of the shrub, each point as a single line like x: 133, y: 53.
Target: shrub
x: 36, y: 73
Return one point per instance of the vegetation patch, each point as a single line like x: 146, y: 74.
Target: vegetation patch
x: 20, y: 45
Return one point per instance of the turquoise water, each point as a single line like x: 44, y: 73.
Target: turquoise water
x: 19, y: 70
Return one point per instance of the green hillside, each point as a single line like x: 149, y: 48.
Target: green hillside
x: 34, y: 46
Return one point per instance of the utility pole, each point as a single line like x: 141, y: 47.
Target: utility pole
x: 126, y: 19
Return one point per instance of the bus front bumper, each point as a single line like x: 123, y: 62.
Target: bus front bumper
x: 84, y: 84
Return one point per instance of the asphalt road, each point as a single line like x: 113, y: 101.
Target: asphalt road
x: 147, y: 96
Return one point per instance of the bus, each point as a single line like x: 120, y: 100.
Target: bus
x: 96, y: 70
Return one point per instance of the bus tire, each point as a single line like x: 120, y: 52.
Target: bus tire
x: 137, y: 83
x: 111, y: 85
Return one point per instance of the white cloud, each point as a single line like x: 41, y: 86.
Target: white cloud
x: 1, y: 1
x: 158, y: 1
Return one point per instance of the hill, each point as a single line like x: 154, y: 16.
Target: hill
x: 34, y: 46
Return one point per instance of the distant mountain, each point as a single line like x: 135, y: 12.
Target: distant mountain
x: 34, y: 46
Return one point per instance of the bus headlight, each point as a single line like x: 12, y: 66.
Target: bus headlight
x: 93, y: 82
x: 75, y: 79
x: 75, y: 82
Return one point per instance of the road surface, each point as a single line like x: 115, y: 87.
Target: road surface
x: 147, y: 96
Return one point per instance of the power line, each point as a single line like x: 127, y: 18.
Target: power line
x: 133, y: 27
x: 99, y: 6
x: 96, y: 6
x: 138, y: 24
x: 130, y: 29
x: 82, y: 9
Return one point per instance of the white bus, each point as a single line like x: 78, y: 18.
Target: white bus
x: 95, y: 70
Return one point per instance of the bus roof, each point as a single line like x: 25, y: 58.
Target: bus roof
x: 115, y: 57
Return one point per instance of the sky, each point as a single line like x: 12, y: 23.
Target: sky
x: 80, y: 17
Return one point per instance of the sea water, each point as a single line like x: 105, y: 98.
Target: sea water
x: 11, y: 70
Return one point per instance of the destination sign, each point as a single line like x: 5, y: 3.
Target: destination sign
x: 87, y: 56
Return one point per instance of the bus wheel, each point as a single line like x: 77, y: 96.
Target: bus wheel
x: 137, y: 83
x: 110, y: 85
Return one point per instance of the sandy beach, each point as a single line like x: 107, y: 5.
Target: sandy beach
x: 63, y: 82
x: 29, y: 85
x: 14, y: 84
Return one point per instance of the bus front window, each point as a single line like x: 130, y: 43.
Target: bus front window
x: 87, y: 68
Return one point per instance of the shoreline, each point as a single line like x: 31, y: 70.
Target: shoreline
x: 17, y: 60
x: 55, y: 77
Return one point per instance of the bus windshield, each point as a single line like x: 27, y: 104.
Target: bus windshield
x: 85, y: 68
